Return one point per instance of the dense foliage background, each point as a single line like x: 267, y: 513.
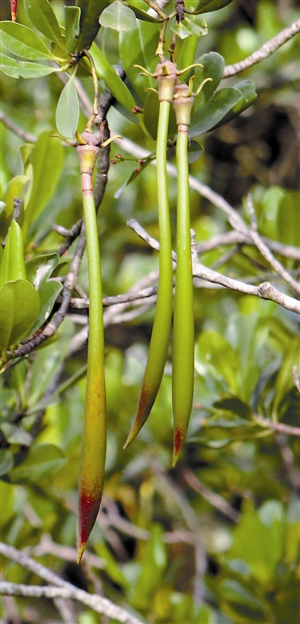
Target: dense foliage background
x: 217, y: 539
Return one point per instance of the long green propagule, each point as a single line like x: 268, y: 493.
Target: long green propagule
x: 166, y: 75
x: 183, y: 323
x: 94, y: 435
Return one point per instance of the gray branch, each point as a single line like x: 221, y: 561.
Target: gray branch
x: 266, y: 50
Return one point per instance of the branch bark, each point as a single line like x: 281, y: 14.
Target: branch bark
x: 58, y: 588
x: 265, y: 51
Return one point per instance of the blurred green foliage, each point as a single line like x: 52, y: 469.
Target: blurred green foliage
x: 226, y: 551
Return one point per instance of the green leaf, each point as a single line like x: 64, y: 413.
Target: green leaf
x: 138, y: 48
x: 235, y: 406
x: 216, y: 352
x: 72, y: 28
x: 188, y: 27
x: 213, y: 67
x: 15, y: 434
x: 15, y: 190
x: 21, y: 69
x: 211, y: 113
x: 67, y: 110
x: 284, y: 380
x: 6, y: 461
x: 41, y: 461
x: 44, y: 19
x: 118, y: 17
x: 89, y: 21
x: 19, y: 306
x: 112, y: 80
x: 288, y: 218
x: 248, y: 96
x: 23, y: 42
x: 48, y: 292
x: 12, y: 262
x: 205, y: 6
x: 140, y: 14
x: 47, y: 159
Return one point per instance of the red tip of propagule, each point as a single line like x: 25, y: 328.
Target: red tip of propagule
x: 13, y: 9
x: 88, y: 511
x: 178, y: 441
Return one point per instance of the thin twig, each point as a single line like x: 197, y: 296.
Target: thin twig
x: 288, y: 460
x: 265, y: 51
x: 214, y: 499
x: 238, y: 238
x: 22, y: 134
x: 264, y: 290
x: 98, y: 604
x: 277, y: 426
x: 265, y: 251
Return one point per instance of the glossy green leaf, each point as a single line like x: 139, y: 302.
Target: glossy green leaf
x: 89, y: 21
x: 41, y: 461
x: 118, y: 17
x: 72, y: 30
x: 22, y: 69
x: 44, y: 19
x: 16, y: 190
x: 48, y: 292
x: 188, y: 27
x: 213, y: 67
x: 208, y: 116
x: 135, y: 5
x: 111, y: 79
x: 138, y: 48
x: 23, y: 42
x: 47, y: 159
x: 205, y: 6
x: 186, y: 50
x: 13, y: 263
x: 19, y: 305
x: 67, y: 110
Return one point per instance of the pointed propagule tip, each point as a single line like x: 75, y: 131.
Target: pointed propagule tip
x: 179, y: 436
x: 145, y: 405
x: 13, y: 10
x: 88, y: 511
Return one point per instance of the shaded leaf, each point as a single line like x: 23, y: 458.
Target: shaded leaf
x: 89, y: 21
x: 16, y: 189
x: 6, y: 461
x: 248, y: 96
x: 41, y: 461
x: 138, y: 48
x: 208, y: 116
x: 205, y: 6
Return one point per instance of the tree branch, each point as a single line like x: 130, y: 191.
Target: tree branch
x: 265, y: 251
x: 277, y: 426
x: 62, y: 588
x: 22, y: 134
x: 214, y: 499
x: 266, y: 50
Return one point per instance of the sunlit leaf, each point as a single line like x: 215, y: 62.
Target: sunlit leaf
x: 23, y: 42
x: 138, y: 48
x: 118, y: 17
x: 19, y: 304
x: 111, y: 79
x: 44, y: 19
x: 67, y: 110
x: 72, y: 28
x: 22, y: 69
